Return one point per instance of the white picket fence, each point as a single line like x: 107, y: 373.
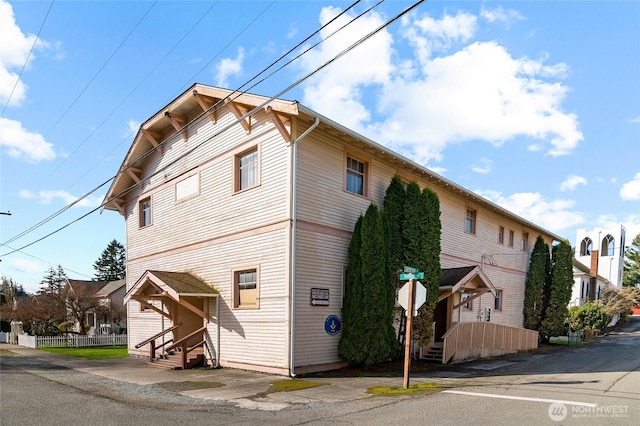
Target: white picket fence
x: 72, y: 341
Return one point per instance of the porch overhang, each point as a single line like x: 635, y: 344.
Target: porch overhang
x: 175, y: 286
x: 469, y: 280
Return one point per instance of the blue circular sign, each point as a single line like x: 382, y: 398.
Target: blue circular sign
x: 332, y: 325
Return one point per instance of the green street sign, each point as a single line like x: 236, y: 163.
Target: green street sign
x: 410, y: 270
x: 413, y: 276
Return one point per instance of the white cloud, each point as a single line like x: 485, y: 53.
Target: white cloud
x: 499, y: 14
x: 26, y: 265
x: 14, y: 51
x: 572, y: 182
x: 473, y: 91
x: 554, y: 215
x: 631, y: 190
x: 133, y: 126
x: 20, y: 143
x: 482, y: 166
x: 47, y: 197
x: 335, y: 91
x: 229, y: 67
x: 635, y: 120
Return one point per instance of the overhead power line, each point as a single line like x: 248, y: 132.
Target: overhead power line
x: 233, y: 123
x: 54, y: 215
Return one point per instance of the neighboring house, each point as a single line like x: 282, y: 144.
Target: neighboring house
x: 114, y: 315
x: 587, y: 285
x: 89, y: 295
x: 239, y: 211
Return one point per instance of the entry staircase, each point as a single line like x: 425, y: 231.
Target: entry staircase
x: 177, y: 355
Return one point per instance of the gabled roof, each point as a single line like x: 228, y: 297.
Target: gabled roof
x: 174, y: 285
x: 110, y: 287
x: 86, y: 288
x: 466, y: 279
x: 172, y: 119
x: 580, y: 268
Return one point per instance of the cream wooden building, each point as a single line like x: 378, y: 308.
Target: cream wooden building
x: 239, y: 211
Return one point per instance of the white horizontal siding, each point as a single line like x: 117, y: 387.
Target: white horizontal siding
x: 257, y: 336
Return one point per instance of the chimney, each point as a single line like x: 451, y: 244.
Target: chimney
x: 594, y: 263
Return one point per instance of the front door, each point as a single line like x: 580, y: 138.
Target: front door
x: 440, y: 318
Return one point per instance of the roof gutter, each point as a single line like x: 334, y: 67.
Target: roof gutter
x: 294, y: 218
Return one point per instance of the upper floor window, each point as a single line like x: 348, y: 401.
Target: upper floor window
x: 356, y: 174
x: 608, y: 244
x: 586, y: 247
x: 144, y: 207
x: 511, y: 238
x: 524, y: 244
x: 470, y: 222
x: 246, y: 289
x: 247, y: 170
x: 501, y: 235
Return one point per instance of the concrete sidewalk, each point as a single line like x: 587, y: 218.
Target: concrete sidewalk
x: 243, y: 388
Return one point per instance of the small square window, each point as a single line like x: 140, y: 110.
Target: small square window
x: 356, y: 176
x: 501, y: 235
x: 246, y: 170
x: 497, y: 303
x: 511, y: 238
x: 144, y: 207
x: 470, y: 222
x: 246, y: 289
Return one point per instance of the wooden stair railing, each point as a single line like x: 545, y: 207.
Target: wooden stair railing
x: 182, y: 344
x: 152, y: 341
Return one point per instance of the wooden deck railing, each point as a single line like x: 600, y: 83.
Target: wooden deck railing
x: 467, y: 340
x: 183, y: 344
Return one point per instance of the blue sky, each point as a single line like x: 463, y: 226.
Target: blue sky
x: 534, y: 105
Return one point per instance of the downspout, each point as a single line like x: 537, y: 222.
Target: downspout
x: 294, y: 218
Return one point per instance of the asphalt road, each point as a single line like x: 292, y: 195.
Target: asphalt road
x: 597, y: 384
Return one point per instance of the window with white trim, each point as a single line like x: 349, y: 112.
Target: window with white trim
x: 466, y: 305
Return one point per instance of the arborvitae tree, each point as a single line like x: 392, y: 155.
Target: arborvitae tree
x: 350, y: 342
x: 421, y: 232
x: 367, y: 313
x: 631, y: 271
x: 394, y: 202
x: 432, y: 268
x: 111, y: 264
x: 377, y: 300
x: 560, y: 286
x: 537, y: 277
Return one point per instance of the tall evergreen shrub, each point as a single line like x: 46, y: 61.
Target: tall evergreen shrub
x: 560, y: 286
x: 537, y: 278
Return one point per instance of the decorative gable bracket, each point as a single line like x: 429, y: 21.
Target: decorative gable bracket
x: 178, y: 123
x: 206, y: 103
x: 286, y: 135
x: 239, y: 112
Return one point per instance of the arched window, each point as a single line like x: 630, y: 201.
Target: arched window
x: 608, y: 243
x: 586, y: 246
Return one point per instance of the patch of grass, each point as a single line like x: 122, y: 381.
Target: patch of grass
x: 105, y: 352
x: 289, y: 385
x: 418, y: 388
x: 7, y: 352
x: 187, y: 386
